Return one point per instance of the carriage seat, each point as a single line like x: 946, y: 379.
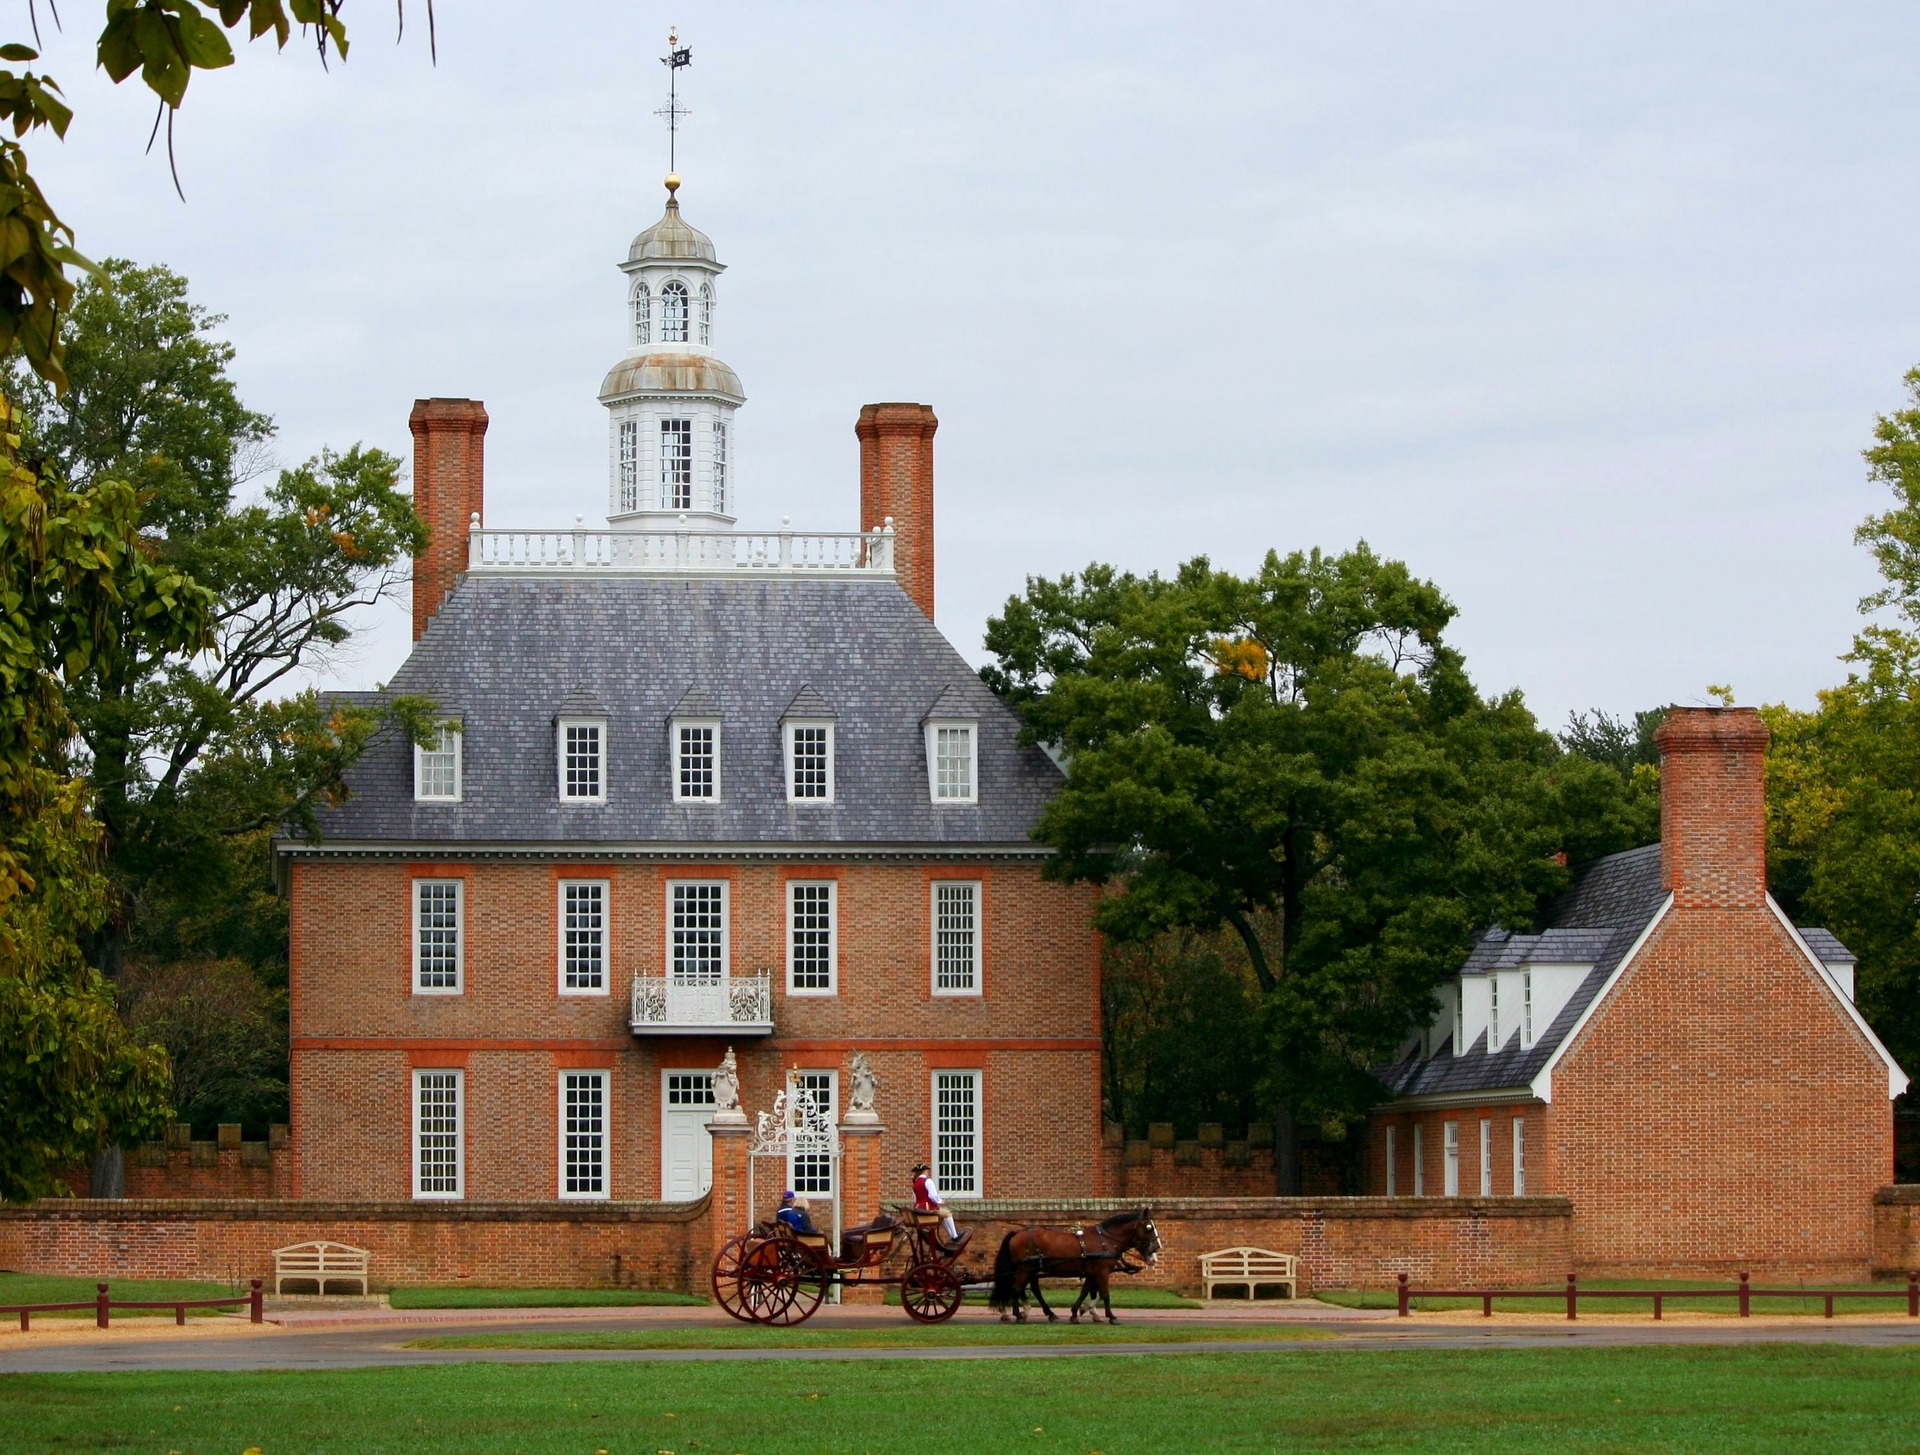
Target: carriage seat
x: 929, y: 1223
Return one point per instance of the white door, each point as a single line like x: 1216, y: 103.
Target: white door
x: 686, y: 1148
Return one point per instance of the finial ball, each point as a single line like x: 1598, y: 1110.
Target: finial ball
x: 673, y: 183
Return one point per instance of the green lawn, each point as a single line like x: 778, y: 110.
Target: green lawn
x: 45, y: 1288
x: 905, y: 1335
x: 1676, y: 1302
x: 1755, y: 1400
x: 538, y: 1298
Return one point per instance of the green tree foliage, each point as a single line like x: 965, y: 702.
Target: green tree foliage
x: 1843, y: 810
x: 1626, y: 746
x: 1300, y: 744
x: 77, y: 585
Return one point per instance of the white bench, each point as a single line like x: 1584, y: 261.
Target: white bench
x: 1250, y: 1266
x: 321, y: 1261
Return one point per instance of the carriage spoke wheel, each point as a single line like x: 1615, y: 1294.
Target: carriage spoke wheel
x: 749, y: 1281
x: 931, y: 1292
x: 803, y: 1287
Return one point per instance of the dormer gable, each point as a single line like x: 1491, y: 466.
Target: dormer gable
x: 952, y: 731
x: 808, y: 748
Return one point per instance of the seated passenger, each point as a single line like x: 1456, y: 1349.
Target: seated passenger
x: 793, y: 1212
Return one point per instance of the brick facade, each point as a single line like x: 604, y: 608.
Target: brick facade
x: 449, y: 478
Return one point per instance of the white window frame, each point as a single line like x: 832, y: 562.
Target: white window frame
x: 642, y: 300
x: 606, y: 936
x: 1450, y: 1159
x: 560, y: 759
x: 1519, y: 1156
x: 680, y: 795
x: 1419, y: 1159
x: 721, y: 459
x: 935, y: 726
x: 789, y: 729
x: 973, y: 988
x: 459, y: 1087
x: 1393, y: 1149
x: 1493, y: 1013
x: 705, y: 305
x: 627, y: 455
x: 675, y: 288
x: 949, y: 1188
x: 459, y: 935
x: 448, y: 743
x: 1526, y: 1010
x: 605, y: 1135
x: 676, y: 487
x: 814, y: 1078
x: 726, y: 925
x: 832, y: 987
x: 1459, y: 1018
x: 1486, y: 1156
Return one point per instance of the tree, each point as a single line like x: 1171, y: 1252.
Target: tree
x: 75, y: 582
x: 1300, y: 745
x: 1625, y: 745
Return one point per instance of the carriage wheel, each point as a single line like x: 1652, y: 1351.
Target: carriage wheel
x: 931, y: 1292
x: 803, y: 1287
x: 749, y: 1281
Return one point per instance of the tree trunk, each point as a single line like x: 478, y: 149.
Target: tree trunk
x: 107, y: 1174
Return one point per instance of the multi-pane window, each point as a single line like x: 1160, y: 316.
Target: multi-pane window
x: 696, y: 769
x: 697, y: 932
x: 629, y: 464
x: 812, y: 1172
x: 642, y: 315
x: 438, y: 1116
x: 673, y: 313
x: 436, y: 770
x: 1419, y: 1160
x: 583, y: 775
x: 706, y: 313
x: 583, y: 936
x: 810, y: 762
x: 583, y: 1134
x: 956, y: 1132
x: 1519, y: 1157
x: 676, y: 464
x: 690, y: 1089
x: 437, y: 905
x: 810, y: 948
x: 720, y: 465
x: 956, y: 938
x: 1526, y: 1008
x: 1450, y: 1166
x: 1393, y: 1171
x: 1486, y: 1157
x: 950, y: 759
x: 1460, y: 1018
x: 1493, y: 1013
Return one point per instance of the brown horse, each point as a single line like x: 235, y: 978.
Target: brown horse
x: 1089, y: 1254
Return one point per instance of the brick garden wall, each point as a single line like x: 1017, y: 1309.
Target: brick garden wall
x: 1896, y: 1230
x: 1210, y: 1165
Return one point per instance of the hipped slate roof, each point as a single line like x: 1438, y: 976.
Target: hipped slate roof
x: 505, y: 654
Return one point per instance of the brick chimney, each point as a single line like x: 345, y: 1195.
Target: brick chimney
x: 1713, y: 811
x: 896, y: 479
x: 449, y: 475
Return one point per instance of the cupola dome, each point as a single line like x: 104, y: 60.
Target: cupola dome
x: 672, y: 239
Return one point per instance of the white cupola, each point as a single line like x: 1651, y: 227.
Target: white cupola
x: 671, y: 449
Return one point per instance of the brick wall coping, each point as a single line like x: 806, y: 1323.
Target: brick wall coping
x: 1199, y: 1208
x: 1901, y: 1194
x: 287, y: 1210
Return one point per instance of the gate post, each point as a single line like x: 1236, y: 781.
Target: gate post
x: 728, y: 1201
x: 861, y: 1195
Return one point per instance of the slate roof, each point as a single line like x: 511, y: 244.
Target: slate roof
x: 1826, y: 945
x: 505, y: 654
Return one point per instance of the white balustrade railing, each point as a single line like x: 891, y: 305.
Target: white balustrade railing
x: 742, y: 1004
x: 683, y: 551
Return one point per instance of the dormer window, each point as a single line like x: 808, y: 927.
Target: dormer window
x: 693, y: 743
x: 810, y: 762
x: 1493, y: 1013
x: 673, y: 313
x: 951, y: 761
x: 436, y: 769
x: 676, y: 464
x: 706, y: 313
x: 1460, y: 1019
x: 1526, y: 1009
x: 583, y: 759
x: 642, y: 314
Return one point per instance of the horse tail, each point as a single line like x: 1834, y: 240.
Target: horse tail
x: 1006, y: 1277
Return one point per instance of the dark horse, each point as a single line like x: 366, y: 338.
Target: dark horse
x: 1089, y: 1254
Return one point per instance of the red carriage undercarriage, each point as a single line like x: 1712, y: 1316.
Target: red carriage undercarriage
x: 773, y: 1275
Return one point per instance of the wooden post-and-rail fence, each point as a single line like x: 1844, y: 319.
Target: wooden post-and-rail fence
x: 103, y: 1305
x: 1744, y: 1292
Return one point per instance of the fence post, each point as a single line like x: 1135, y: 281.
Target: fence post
x: 1913, y: 1295
x: 1572, y: 1297
x: 100, y: 1306
x: 253, y: 1302
x: 1745, y: 1303
x: 1403, y: 1293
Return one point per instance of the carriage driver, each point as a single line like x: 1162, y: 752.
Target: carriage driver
x: 793, y: 1212
x: 926, y: 1198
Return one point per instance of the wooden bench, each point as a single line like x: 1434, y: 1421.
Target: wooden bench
x: 1250, y: 1266
x: 322, y: 1262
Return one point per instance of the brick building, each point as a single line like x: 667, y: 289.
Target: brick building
x: 699, y: 788
x: 1669, y: 1052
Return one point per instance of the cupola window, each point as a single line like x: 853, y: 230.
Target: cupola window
x: 676, y: 464
x: 629, y: 464
x: 642, y: 315
x: 706, y: 313
x: 720, y: 465
x: 673, y: 313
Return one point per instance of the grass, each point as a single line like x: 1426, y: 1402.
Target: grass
x: 539, y: 1298
x: 18, y: 1288
x: 904, y: 1336
x: 1674, y: 1300
x: 1757, y: 1400
x: 1061, y: 1296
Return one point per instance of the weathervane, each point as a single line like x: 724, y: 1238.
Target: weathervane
x: 677, y: 56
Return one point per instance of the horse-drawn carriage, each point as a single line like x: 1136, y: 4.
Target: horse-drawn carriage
x: 773, y: 1275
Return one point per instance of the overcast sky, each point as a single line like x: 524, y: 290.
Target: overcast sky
x: 1584, y: 312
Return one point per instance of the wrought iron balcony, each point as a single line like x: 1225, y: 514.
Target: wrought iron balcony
x: 735, y: 1005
